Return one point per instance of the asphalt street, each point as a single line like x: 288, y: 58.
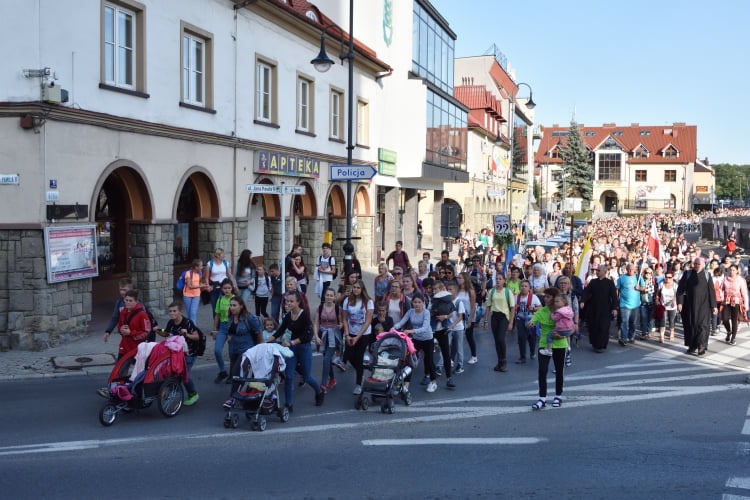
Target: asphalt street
x: 643, y: 421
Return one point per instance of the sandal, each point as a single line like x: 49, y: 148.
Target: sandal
x: 539, y: 405
x: 557, y: 402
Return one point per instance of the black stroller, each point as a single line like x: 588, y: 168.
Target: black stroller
x: 388, y: 371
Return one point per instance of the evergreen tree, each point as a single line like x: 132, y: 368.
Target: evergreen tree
x: 577, y: 167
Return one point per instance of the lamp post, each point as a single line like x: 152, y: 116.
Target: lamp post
x: 323, y: 63
x: 530, y: 104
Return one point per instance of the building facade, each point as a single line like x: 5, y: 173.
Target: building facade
x: 637, y: 168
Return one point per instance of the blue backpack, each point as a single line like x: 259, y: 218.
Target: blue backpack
x: 180, y: 285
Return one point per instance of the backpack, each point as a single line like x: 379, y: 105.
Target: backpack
x: 180, y: 285
x: 268, y: 283
x: 507, y: 296
x: 332, y: 263
x: 529, y: 298
x: 200, y: 346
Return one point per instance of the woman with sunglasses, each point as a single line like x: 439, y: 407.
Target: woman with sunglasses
x: 668, y: 298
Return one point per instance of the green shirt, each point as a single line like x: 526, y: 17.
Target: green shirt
x: 543, y: 317
x: 514, y: 287
x: 222, y: 308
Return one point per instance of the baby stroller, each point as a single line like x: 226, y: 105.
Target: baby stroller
x: 394, y: 361
x: 260, y: 375
x: 160, y: 380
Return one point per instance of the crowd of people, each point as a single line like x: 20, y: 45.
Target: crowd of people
x: 546, y: 297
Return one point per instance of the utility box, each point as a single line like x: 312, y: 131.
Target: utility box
x: 51, y: 94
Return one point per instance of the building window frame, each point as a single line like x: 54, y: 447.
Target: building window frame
x: 123, y: 56
x: 641, y: 176
x: 670, y: 176
x: 266, y: 94
x: 305, y: 104
x: 336, y: 117
x: 363, y: 122
x: 196, y: 77
x: 610, y: 166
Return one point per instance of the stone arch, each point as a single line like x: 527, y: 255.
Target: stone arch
x: 269, y: 203
x: 306, y: 204
x: 127, y: 177
x: 609, y: 201
x: 362, y: 202
x: 206, y: 200
x: 336, y: 206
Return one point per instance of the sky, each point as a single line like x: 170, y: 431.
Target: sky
x: 635, y: 61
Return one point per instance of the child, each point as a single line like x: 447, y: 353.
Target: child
x: 562, y: 315
x: 221, y: 327
x: 178, y: 324
x: 382, y: 322
x: 441, y: 307
x: 269, y: 328
x: 456, y: 328
x: 276, y: 285
x: 526, y: 304
x: 262, y: 288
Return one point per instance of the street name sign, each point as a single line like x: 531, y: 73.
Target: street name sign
x: 273, y: 189
x: 352, y: 172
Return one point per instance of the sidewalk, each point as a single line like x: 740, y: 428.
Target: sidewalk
x: 90, y: 355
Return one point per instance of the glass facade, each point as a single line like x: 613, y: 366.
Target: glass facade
x: 446, y: 133
x: 432, y: 51
x: 610, y: 166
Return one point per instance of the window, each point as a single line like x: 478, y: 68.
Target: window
x: 670, y: 176
x: 305, y: 93
x: 363, y: 123
x: 432, y: 50
x: 670, y: 203
x: 644, y: 132
x: 447, y: 138
x: 123, y: 57
x: 265, y: 91
x: 640, y: 176
x: 671, y: 152
x: 610, y: 165
x: 640, y: 203
x: 555, y: 153
x: 640, y: 152
x: 336, y: 125
x: 197, y: 54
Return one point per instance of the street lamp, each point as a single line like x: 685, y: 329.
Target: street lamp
x: 323, y: 63
x: 530, y: 104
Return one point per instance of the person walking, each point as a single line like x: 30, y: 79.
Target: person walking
x: 421, y: 333
x: 218, y: 270
x: 696, y: 302
x: 325, y: 270
x: 630, y: 303
x: 735, y: 299
x: 502, y: 306
x: 543, y: 318
x: 357, y: 310
x: 191, y: 293
x: 668, y: 298
x: 599, y: 308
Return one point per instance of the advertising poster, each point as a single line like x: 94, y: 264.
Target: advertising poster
x: 71, y: 253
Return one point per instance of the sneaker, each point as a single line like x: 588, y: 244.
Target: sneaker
x: 460, y: 370
x: 432, y: 387
x: 451, y: 384
x: 568, y: 359
x: 228, y: 403
x: 192, y: 399
x: 545, y: 352
x: 622, y: 342
x: 438, y: 372
x: 425, y: 380
x: 319, y: 397
x: 340, y: 365
x: 357, y: 390
x: 221, y: 376
x: 331, y: 384
x: 473, y: 360
x: 103, y: 392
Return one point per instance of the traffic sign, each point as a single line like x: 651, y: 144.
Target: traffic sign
x: 351, y: 172
x: 502, y: 224
x: 273, y: 189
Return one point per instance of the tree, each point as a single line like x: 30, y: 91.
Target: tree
x: 731, y: 181
x: 577, y: 168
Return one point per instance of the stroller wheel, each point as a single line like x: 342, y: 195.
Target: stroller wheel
x: 284, y: 414
x: 365, y: 404
x: 227, y: 422
x: 235, y: 421
x: 262, y: 424
x: 108, y: 414
x: 407, y: 398
x: 171, y: 396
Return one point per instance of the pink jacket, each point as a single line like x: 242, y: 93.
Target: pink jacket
x: 563, y: 319
x: 735, y: 290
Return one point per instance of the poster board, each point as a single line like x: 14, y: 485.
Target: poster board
x: 71, y: 253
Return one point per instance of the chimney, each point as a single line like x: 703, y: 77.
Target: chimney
x: 635, y: 124
x: 705, y: 162
x: 609, y: 125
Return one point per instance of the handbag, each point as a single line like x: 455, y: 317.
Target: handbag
x: 659, y: 311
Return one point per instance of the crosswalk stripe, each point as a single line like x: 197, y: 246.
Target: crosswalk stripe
x: 738, y: 482
x: 733, y: 497
x: 451, y: 441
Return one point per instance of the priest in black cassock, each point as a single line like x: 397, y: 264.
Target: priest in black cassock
x: 696, y: 302
x: 599, y: 307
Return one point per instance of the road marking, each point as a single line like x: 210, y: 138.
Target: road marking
x: 48, y: 447
x: 733, y: 497
x: 738, y: 482
x: 452, y: 441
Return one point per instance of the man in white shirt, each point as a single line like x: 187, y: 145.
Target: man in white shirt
x: 325, y: 267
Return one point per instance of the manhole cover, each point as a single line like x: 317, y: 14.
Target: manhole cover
x: 84, y: 359
x: 79, y: 362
